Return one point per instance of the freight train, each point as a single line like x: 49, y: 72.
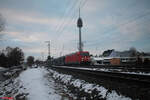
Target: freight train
x: 77, y: 58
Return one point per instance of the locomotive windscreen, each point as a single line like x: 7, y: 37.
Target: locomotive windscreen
x: 84, y: 54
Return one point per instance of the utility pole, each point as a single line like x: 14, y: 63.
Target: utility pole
x: 79, y: 25
x: 42, y: 56
x: 48, y: 49
x: 48, y: 62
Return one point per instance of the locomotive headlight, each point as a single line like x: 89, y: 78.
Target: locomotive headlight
x: 82, y: 59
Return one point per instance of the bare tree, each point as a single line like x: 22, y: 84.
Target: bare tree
x: 2, y: 25
x: 133, y: 51
x: 11, y: 57
x: 30, y: 60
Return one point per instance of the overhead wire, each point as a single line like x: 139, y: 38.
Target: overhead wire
x: 66, y: 15
x: 126, y: 23
x: 59, y: 24
x: 73, y: 17
x: 69, y: 14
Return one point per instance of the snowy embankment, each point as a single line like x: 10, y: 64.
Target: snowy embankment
x: 2, y: 68
x: 9, y: 85
x: 31, y: 84
x: 34, y: 82
x: 85, y: 90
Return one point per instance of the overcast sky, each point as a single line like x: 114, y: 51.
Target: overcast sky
x: 107, y: 24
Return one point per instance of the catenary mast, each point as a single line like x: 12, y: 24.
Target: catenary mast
x: 79, y: 25
x: 49, y: 55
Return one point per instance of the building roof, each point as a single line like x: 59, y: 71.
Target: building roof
x: 121, y: 54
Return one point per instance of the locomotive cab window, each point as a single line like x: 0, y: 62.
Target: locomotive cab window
x: 85, y: 54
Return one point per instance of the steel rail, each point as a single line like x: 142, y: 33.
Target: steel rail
x: 144, y: 79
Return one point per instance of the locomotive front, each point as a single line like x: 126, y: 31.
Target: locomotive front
x: 84, y: 57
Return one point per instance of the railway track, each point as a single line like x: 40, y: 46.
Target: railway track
x: 126, y: 68
x: 137, y: 78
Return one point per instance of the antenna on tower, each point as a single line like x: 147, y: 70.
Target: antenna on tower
x: 79, y: 12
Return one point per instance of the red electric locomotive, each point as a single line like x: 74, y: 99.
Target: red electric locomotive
x: 79, y: 58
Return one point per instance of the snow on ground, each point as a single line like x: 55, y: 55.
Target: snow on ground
x: 34, y: 82
x: 2, y: 68
x: 138, y: 73
x: 114, y: 96
x: 10, y: 87
x: 88, y: 87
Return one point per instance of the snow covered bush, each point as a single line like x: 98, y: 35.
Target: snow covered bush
x: 83, y: 90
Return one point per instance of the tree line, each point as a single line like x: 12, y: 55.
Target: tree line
x: 11, y: 57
